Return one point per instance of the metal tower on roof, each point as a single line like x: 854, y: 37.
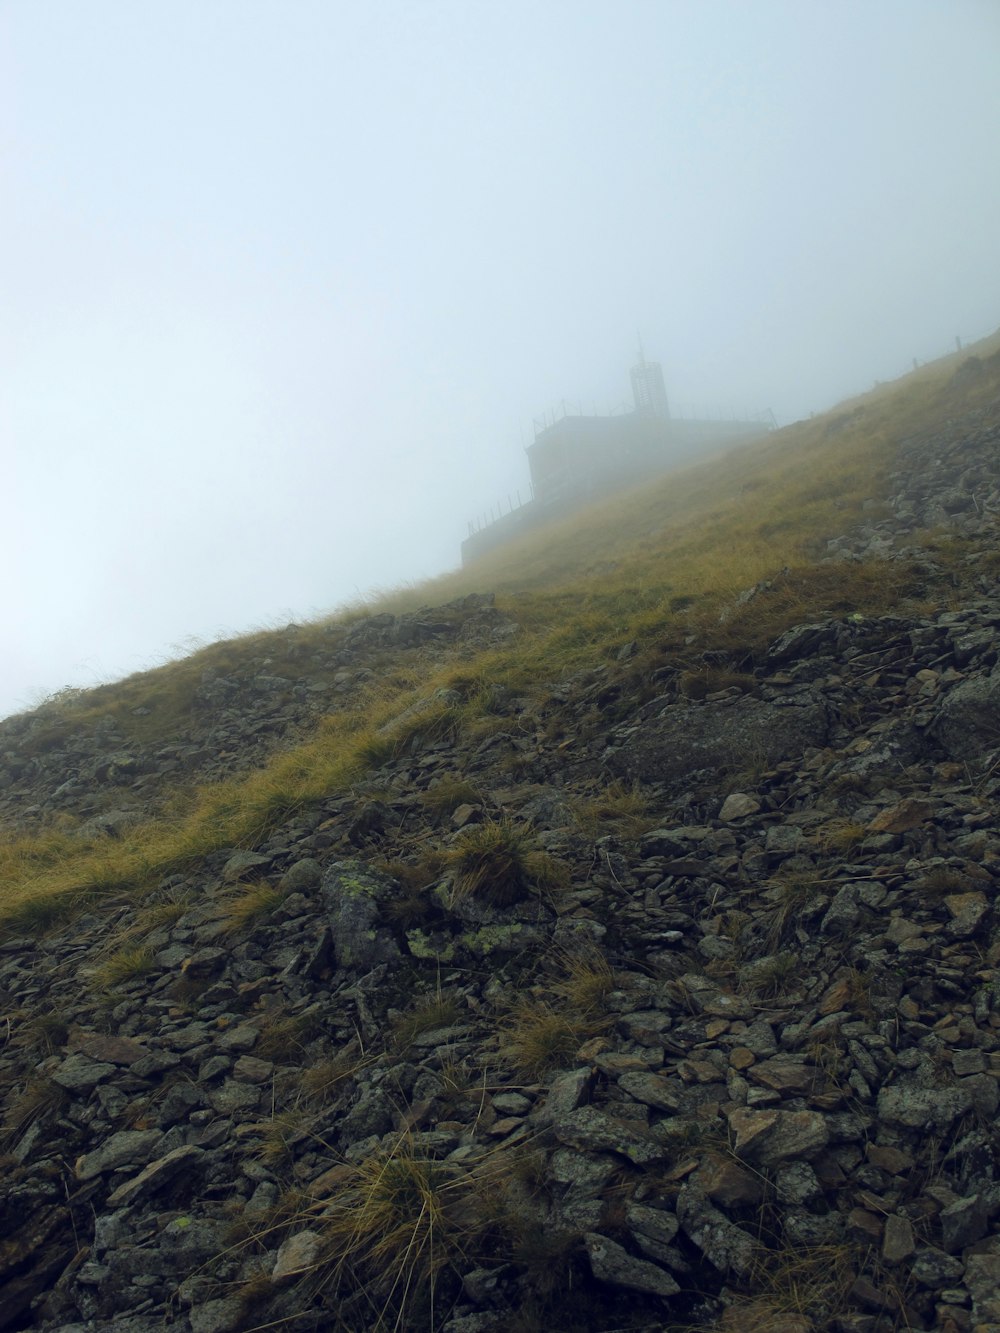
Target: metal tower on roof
x: 648, y: 389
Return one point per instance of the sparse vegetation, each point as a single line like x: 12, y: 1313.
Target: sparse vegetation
x: 771, y: 976
x: 620, y: 808
x: 789, y: 895
x: 44, y: 1033
x: 661, y: 567
x: 794, y: 1287
x: 322, y: 1081
x: 714, y: 680
x: 39, y: 1098
x: 673, y: 607
x: 536, y: 1037
x: 448, y: 794
x: 121, y: 967
x: 286, y: 1035
x: 250, y: 904
x: 397, y: 1224
x: 840, y: 835
x: 438, y: 1010
x: 499, y: 863
x: 939, y: 881
x: 585, y: 980
x: 540, y: 1031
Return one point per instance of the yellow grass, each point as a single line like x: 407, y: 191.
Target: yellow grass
x: 661, y: 567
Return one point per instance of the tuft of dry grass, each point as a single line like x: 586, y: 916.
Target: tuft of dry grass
x: 536, y: 1037
x: 499, y: 863
x: 448, y: 794
x: 38, y: 1099
x: 123, y: 966
x: 698, y: 684
x: 414, y: 904
x: 536, y: 1034
x: 939, y: 881
x: 250, y: 904
x: 285, y: 1036
x: 397, y: 1225
x: 802, y: 1290
x: 772, y: 976
x: 280, y: 1134
x: 585, y: 981
x: 789, y: 895
x: 44, y: 1033
x: 438, y: 1010
x: 840, y: 835
x: 320, y: 1083
x: 620, y: 807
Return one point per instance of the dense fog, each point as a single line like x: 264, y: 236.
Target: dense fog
x: 284, y: 285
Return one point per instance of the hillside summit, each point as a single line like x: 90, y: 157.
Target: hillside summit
x: 610, y: 945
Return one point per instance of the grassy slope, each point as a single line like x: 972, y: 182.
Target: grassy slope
x: 660, y: 567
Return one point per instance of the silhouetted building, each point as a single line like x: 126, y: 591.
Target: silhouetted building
x: 577, y: 458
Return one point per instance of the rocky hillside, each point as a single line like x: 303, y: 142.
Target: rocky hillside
x: 667, y: 996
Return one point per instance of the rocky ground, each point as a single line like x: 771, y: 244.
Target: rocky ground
x: 59, y: 761
x: 722, y: 1049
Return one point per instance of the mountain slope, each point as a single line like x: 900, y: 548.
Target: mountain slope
x: 615, y: 951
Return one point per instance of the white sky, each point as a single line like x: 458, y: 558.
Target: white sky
x: 283, y: 282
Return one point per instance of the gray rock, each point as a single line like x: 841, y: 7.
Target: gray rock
x: 566, y: 1092
x: 982, y: 1277
x: 590, y: 1130
x: 796, y: 1182
x: 783, y: 840
x: 512, y: 1103
x: 653, y: 1230
x: 576, y: 1213
x: 180, y: 1100
x: 111, y: 824
x: 738, y: 805
x: 769, y: 1138
x: 218, y: 1316
x: 244, y: 865
x: 613, y: 1264
x: 482, y: 1285
x: 126, y: 1148
x: 803, y: 1230
x: 78, y: 1073
x: 923, y: 1108
x: 651, y: 1090
x: 984, y: 1093
x: 722, y: 1243
x: 471, y: 1323
x: 213, y: 1067
x: 155, y: 1176
x: 353, y: 896
x: 964, y: 1222
x: 373, y: 1113
x: 297, y: 1254
x: 843, y: 913
x: 241, y: 1038
x: 967, y: 722
x: 932, y: 1268
x: 582, y: 1174
x: 248, y: 1069
x: 801, y: 641
x: 898, y: 1241
x: 233, y: 1096
x: 691, y: 738
x: 205, y: 964
x: 302, y: 876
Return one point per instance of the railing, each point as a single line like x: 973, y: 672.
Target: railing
x: 496, y: 513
